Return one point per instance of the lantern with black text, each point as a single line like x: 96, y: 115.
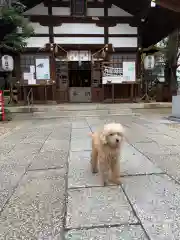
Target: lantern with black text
x: 7, y: 63
x: 149, y: 62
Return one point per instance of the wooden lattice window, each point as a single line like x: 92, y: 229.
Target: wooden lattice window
x: 78, y: 7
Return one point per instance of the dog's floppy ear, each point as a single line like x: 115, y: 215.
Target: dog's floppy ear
x: 103, y: 137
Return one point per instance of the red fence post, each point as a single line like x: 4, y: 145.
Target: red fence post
x: 2, y: 105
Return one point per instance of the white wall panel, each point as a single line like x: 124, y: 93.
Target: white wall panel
x: 78, y: 28
x: 95, y: 12
x: 64, y: 11
x: 37, y: 42
x: 113, y: 11
x: 122, y: 29
x: 116, y: 11
x: 123, y: 42
x: 38, y: 29
x: 40, y: 9
x: 78, y: 40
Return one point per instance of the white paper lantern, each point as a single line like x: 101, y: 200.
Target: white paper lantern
x: 149, y: 62
x: 7, y: 63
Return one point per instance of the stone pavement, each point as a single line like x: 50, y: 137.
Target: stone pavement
x: 47, y: 191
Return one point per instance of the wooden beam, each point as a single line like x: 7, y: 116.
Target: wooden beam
x: 106, y: 28
x: 65, y: 35
x: 78, y: 8
x: 51, y: 38
x: 94, y: 47
x: 94, y: 4
x: 171, y: 5
x: 54, y: 20
x: 52, y: 57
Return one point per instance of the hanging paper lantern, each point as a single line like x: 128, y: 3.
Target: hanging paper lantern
x: 149, y: 62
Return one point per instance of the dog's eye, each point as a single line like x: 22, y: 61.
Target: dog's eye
x: 111, y: 134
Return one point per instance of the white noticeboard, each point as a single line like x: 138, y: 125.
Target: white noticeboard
x: 112, y: 75
x: 129, y: 71
x: 42, y: 69
x: 30, y: 77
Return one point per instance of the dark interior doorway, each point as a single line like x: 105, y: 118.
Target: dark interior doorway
x: 79, y: 74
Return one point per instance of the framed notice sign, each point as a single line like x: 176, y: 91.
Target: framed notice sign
x: 42, y: 69
x: 112, y: 75
x: 129, y: 71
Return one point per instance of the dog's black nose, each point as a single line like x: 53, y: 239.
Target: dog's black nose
x: 117, y: 140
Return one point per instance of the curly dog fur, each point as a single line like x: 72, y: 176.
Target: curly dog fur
x: 106, y: 149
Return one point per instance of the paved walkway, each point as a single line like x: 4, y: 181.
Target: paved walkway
x: 47, y: 191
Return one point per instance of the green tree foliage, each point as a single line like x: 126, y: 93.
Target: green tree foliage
x: 15, y: 40
x: 170, y: 47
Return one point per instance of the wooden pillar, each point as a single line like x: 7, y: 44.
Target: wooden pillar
x: 106, y: 30
x: 138, y: 60
x: 138, y: 55
x: 52, y: 58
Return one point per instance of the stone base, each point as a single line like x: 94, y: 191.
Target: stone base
x: 176, y: 106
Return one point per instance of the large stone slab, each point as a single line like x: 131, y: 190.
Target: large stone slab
x: 114, y: 233
x: 136, y: 136
x: 163, y: 139
x: 6, y: 147
x: 169, y: 163
x: 154, y: 148
x: 82, y: 133
x: 98, y: 206
x: 131, y: 163
x: 61, y: 134
x: 21, y: 158
x: 16, y: 137
x: 80, y: 174
x: 155, y: 199
x: 36, y: 209
x: 55, y: 145
x: 10, y: 176
x: 80, y: 124
x: 28, y: 147
x: 49, y: 160
x: 36, y: 136
x: 34, y: 140
x: 81, y: 144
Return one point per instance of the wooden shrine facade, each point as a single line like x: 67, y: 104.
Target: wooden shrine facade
x: 77, y: 25
x: 73, y: 26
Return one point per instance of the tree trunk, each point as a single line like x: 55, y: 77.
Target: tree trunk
x: 172, y: 51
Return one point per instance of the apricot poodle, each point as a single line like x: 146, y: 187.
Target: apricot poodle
x: 106, y: 151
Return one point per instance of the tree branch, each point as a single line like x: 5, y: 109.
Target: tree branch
x: 178, y: 55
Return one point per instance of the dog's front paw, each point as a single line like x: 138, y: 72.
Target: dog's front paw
x: 116, y: 181
x: 94, y: 170
x: 105, y: 183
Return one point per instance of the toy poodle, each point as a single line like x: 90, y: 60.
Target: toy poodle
x: 106, y: 150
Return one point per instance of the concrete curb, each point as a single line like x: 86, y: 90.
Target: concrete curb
x: 42, y: 108
x: 23, y: 109
x: 151, y: 105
